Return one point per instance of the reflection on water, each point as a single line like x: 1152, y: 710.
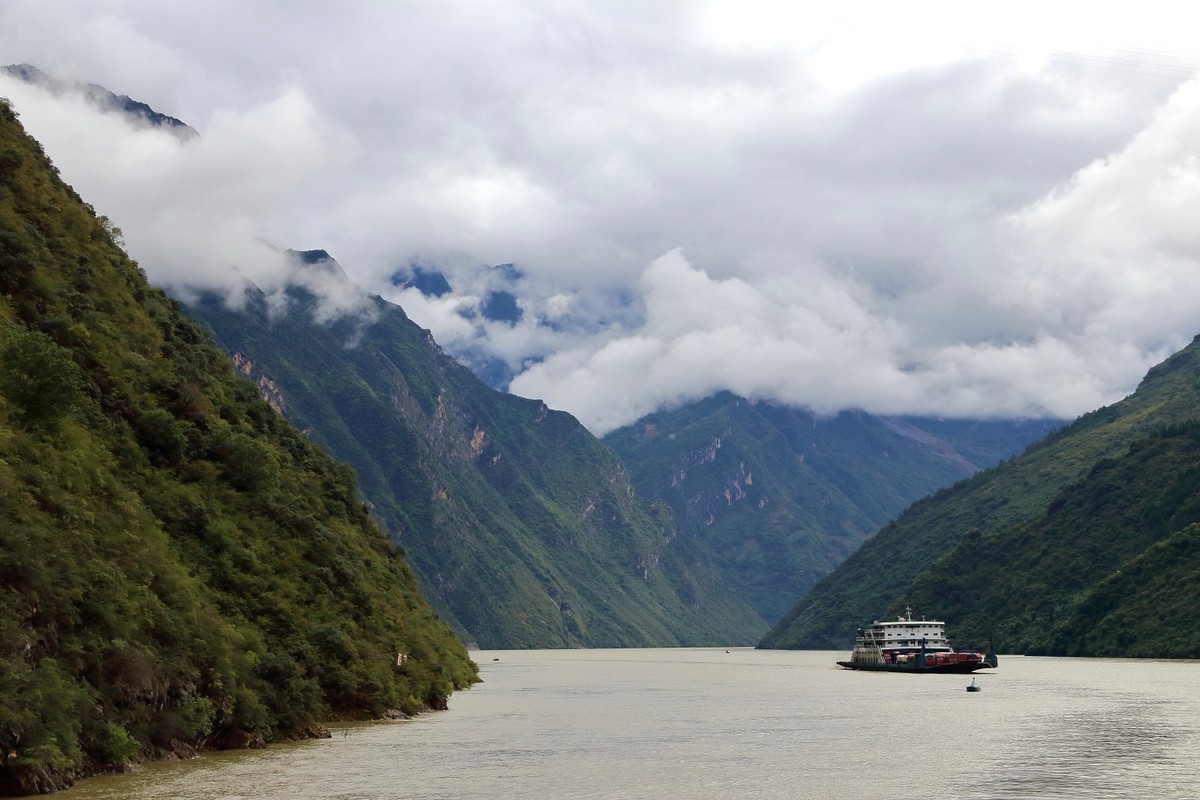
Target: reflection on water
x: 664, y: 724
x: 1115, y: 749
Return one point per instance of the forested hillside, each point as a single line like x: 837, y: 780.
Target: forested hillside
x: 1109, y: 569
x: 179, y: 566
x: 781, y: 496
x: 1050, y: 549
x: 521, y: 525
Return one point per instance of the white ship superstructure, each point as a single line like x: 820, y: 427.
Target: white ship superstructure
x: 907, y: 643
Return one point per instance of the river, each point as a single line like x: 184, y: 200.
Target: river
x: 711, y: 723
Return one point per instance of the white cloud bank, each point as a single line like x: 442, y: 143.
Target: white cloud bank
x: 955, y: 214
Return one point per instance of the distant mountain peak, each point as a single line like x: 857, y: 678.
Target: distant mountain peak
x: 780, y: 495
x: 429, y: 282
x: 107, y: 101
x: 318, y: 261
x: 501, y: 306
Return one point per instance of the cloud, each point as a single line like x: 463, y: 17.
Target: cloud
x: 1117, y: 246
x: 1059, y: 307
x: 948, y: 212
x: 197, y: 213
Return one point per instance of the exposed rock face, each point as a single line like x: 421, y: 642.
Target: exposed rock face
x: 267, y: 389
x: 524, y: 529
x: 782, y: 497
x: 20, y: 780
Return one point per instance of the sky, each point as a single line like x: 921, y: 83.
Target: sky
x: 946, y: 208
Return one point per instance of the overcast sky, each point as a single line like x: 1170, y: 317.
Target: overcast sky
x: 906, y: 208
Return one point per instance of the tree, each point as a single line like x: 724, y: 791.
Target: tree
x: 40, y: 379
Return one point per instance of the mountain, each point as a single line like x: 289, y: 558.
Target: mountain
x: 522, y: 526
x: 1108, y: 569
x: 542, y: 546
x: 1038, y: 505
x: 179, y: 567
x: 496, y: 301
x: 781, y: 497
x: 137, y: 112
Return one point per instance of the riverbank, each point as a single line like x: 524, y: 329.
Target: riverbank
x: 677, y: 724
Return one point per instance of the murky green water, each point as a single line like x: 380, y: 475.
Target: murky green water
x: 695, y: 723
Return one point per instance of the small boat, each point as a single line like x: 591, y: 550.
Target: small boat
x: 973, y: 687
x: 909, y: 645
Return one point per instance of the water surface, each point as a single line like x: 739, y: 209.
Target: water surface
x: 695, y: 723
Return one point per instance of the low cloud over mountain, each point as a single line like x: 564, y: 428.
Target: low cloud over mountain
x: 978, y: 216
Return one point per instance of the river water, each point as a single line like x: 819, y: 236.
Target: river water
x: 711, y: 723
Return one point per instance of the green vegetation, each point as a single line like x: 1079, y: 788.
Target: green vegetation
x: 179, y: 567
x: 1020, y: 522
x: 781, y: 496
x: 521, y: 526
x: 40, y: 379
x: 1106, y: 569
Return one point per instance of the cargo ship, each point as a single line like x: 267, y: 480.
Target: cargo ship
x: 909, y: 645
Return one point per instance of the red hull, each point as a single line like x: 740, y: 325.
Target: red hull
x: 955, y: 668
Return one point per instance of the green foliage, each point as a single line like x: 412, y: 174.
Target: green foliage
x: 194, y: 719
x: 114, y: 745
x: 249, y: 464
x: 1007, y: 504
x: 167, y: 541
x: 162, y: 435
x: 40, y: 379
x: 521, y: 525
x: 1147, y: 608
x: 782, y: 496
x: 45, y: 709
x: 1054, y: 584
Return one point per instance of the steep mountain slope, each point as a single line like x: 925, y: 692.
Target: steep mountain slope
x: 1061, y: 583
x: 543, y: 546
x: 521, y: 525
x: 879, y: 575
x: 179, y: 567
x: 782, y: 497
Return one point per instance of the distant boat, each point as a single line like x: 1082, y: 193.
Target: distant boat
x: 973, y: 687
x: 909, y: 645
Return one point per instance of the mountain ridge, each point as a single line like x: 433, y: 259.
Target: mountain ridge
x: 782, y: 496
x: 179, y: 568
x: 103, y: 99
x: 879, y: 575
x: 521, y: 525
